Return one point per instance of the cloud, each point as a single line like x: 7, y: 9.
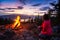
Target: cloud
x: 44, y: 8
x: 20, y: 7
x: 2, y: 9
x: 38, y: 4
x: 2, y: 13
x: 23, y: 1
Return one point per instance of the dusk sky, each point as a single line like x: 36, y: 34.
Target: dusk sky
x: 29, y: 7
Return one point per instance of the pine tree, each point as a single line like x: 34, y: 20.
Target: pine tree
x: 57, y: 8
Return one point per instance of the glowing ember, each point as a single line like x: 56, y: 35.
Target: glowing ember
x: 17, y: 22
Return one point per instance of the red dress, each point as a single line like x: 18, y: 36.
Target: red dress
x: 46, y: 28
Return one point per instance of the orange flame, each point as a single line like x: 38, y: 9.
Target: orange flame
x: 17, y: 22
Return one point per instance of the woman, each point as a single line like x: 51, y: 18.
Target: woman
x: 46, y: 31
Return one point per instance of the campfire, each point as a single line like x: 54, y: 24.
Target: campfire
x: 16, y: 23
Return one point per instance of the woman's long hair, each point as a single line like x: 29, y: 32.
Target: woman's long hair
x: 46, y: 17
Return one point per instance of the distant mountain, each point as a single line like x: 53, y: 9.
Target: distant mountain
x: 12, y: 16
x: 15, y: 15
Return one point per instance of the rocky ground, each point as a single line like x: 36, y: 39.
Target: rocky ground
x: 17, y: 35
x: 24, y: 34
